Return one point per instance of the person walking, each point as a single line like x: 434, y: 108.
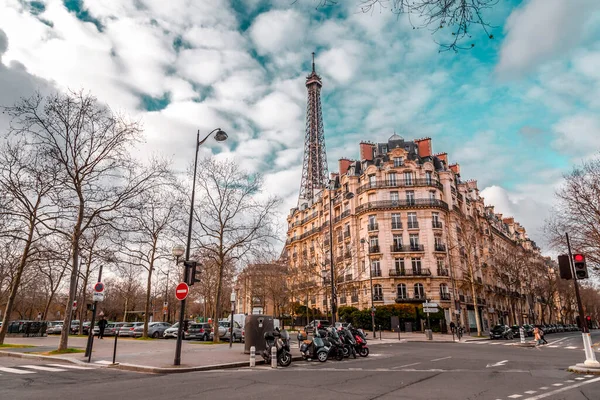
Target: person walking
x: 101, y: 326
x: 537, y: 336
x: 543, y: 336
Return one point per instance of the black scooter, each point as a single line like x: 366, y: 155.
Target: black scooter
x: 313, y: 349
x: 349, y: 342
x: 281, y: 340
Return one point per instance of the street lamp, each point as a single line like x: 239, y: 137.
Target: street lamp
x: 347, y: 196
x: 362, y: 241
x: 220, y: 136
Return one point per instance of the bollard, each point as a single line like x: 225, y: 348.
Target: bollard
x: 274, y: 357
x: 252, y: 356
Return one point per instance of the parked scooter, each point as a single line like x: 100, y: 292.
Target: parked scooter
x: 349, y: 342
x: 361, y: 341
x: 281, y: 340
x: 314, y: 349
x: 336, y: 346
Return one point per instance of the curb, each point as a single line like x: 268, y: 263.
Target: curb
x: 582, y: 369
x: 170, y: 370
x: 43, y: 357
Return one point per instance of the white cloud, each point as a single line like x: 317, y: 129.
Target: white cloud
x: 542, y: 30
x: 278, y: 31
x: 578, y: 135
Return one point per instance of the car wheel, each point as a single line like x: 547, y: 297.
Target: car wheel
x: 155, y: 335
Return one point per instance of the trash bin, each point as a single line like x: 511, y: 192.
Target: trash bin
x: 429, y: 334
x: 408, y: 327
x: 254, y: 331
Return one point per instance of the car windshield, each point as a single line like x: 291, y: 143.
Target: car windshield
x: 498, y: 328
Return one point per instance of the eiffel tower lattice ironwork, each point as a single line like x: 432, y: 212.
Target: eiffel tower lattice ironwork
x: 314, y: 168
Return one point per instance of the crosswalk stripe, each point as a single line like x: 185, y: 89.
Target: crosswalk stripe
x: 103, y: 362
x: 42, y: 368
x: 69, y: 366
x: 15, y: 371
x: 570, y: 347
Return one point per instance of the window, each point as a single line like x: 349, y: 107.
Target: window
x: 399, y: 264
x: 376, y: 268
x: 416, y: 265
x: 394, y: 196
x: 435, y: 217
x: 408, y: 178
x: 372, y: 197
x: 412, y: 220
x: 414, y: 240
x: 401, y: 291
x: 372, y: 223
x: 398, y: 161
x: 396, y: 222
x: 419, y: 291
x: 372, y: 180
x: 441, y: 268
x: 432, y: 195
x: 428, y: 177
x: 410, y: 197
x: 439, y: 245
x: 444, y: 288
x: 384, y: 149
x: 377, y: 292
x: 392, y: 179
x: 363, y: 266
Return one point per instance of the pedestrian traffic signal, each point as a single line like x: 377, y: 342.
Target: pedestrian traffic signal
x: 581, y: 271
x: 564, y: 266
x: 192, y: 273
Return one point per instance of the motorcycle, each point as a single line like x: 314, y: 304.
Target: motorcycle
x: 361, y: 341
x: 349, y: 342
x: 336, y: 346
x: 281, y: 340
x: 313, y: 349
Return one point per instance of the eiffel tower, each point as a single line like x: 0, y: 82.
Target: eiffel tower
x: 314, y: 168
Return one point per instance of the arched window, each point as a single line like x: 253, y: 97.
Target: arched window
x: 377, y: 292
x: 419, y: 291
x: 401, y: 291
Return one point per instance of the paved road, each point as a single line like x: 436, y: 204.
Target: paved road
x: 454, y: 371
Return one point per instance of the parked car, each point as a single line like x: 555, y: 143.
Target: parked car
x: 54, y: 327
x: 86, y: 327
x: 311, y: 325
x: 501, y: 332
x: 128, y: 328
x: 155, y: 329
x: 528, y: 330
x: 112, y: 328
x: 237, y: 331
x: 171, y: 332
x: 74, y: 327
x: 200, y: 331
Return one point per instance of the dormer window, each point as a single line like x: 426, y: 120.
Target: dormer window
x: 398, y: 161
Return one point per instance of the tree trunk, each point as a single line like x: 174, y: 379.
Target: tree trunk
x: 218, y: 294
x: 148, y: 290
x: 16, y: 282
x: 86, y: 277
x: 475, y: 306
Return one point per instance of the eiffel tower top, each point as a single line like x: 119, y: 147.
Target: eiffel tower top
x: 313, y: 77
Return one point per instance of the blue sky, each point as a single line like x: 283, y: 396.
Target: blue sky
x: 516, y: 112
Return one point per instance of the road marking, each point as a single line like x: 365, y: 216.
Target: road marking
x: 407, y: 365
x: 42, y: 368
x: 15, y: 371
x: 589, y: 376
x: 531, y: 391
x: 557, y: 384
x: 544, y: 388
x: 498, y: 364
x: 69, y: 366
x: 508, y: 344
x: 580, y: 379
x: 570, y: 381
x: 553, y: 347
x: 515, y: 396
x: 559, y: 340
x: 495, y: 343
x: 541, y: 396
x: 443, y: 358
x: 570, y: 347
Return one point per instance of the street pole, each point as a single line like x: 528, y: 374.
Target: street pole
x: 590, y: 356
x: 166, y: 303
x: 90, y: 341
x: 372, y: 299
x: 231, y: 324
x: 333, y: 305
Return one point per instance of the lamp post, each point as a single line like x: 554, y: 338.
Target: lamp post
x: 347, y: 196
x: 231, y: 324
x: 220, y: 136
x: 362, y: 241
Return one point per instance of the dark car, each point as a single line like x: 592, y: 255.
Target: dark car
x: 501, y: 332
x: 199, y: 331
x: 527, y: 330
x: 311, y: 325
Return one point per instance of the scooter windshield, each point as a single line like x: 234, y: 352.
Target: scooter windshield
x: 285, y: 335
x: 317, y: 341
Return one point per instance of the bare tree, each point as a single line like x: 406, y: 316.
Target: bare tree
x: 91, y: 146
x: 232, y: 219
x: 511, y: 268
x: 26, y: 180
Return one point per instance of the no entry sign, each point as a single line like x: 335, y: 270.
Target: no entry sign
x: 181, y: 291
x: 99, y: 287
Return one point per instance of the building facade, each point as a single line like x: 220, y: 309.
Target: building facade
x: 405, y: 228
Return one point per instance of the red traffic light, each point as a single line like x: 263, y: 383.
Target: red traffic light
x: 579, y: 258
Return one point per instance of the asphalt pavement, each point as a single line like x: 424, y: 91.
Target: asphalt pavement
x: 454, y: 371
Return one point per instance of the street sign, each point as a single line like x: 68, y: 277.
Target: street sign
x: 98, y: 296
x: 99, y: 287
x: 181, y: 291
x: 74, y: 305
x: 430, y: 310
x: 429, y: 305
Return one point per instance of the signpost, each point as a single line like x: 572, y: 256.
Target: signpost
x: 181, y: 291
x: 430, y: 310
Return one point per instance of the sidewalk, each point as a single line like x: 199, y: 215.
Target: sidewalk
x: 419, y: 337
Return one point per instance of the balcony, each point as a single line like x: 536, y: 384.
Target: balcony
x: 444, y: 296
x: 396, y: 204
x: 440, y: 247
x: 442, y: 271
x: 409, y: 272
x: 436, y: 224
x: 396, y: 225
x: 340, y: 238
x: 373, y: 227
x: 407, y: 248
x: 409, y: 299
x: 345, y: 214
x: 377, y: 297
x: 374, y: 249
x: 376, y: 273
x: 412, y: 225
x: 347, y: 235
x: 354, y: 299
x: 394, y: 183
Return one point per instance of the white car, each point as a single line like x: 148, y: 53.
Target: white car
x: 172, y: 331
x: 54, y: 327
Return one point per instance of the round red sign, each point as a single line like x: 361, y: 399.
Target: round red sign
x: 181, y: 291
x: 99, y: 287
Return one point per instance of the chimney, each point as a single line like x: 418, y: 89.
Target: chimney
x: 333, y: 176
x: 424, y: 147
x: 472, y: 184
x: 366, y: 151
x: 508, y: 221
x: 344, y: 164
x: 455, y: 168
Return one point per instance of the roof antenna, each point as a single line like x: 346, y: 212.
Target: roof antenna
x: 313, y: 62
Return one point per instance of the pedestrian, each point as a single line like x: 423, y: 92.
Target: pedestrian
x: 537, y: 336
x: 543, y: 336
x: 452, y: 326
x: 101, y: 326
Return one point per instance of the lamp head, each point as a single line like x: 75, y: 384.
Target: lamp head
x: 220, y: 135
x: 348, y: 195
x: 178, y: 251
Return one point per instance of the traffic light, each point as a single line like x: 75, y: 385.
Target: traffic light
x: 564, y: 267
x: 192, y: 273
x: 581, y: 271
